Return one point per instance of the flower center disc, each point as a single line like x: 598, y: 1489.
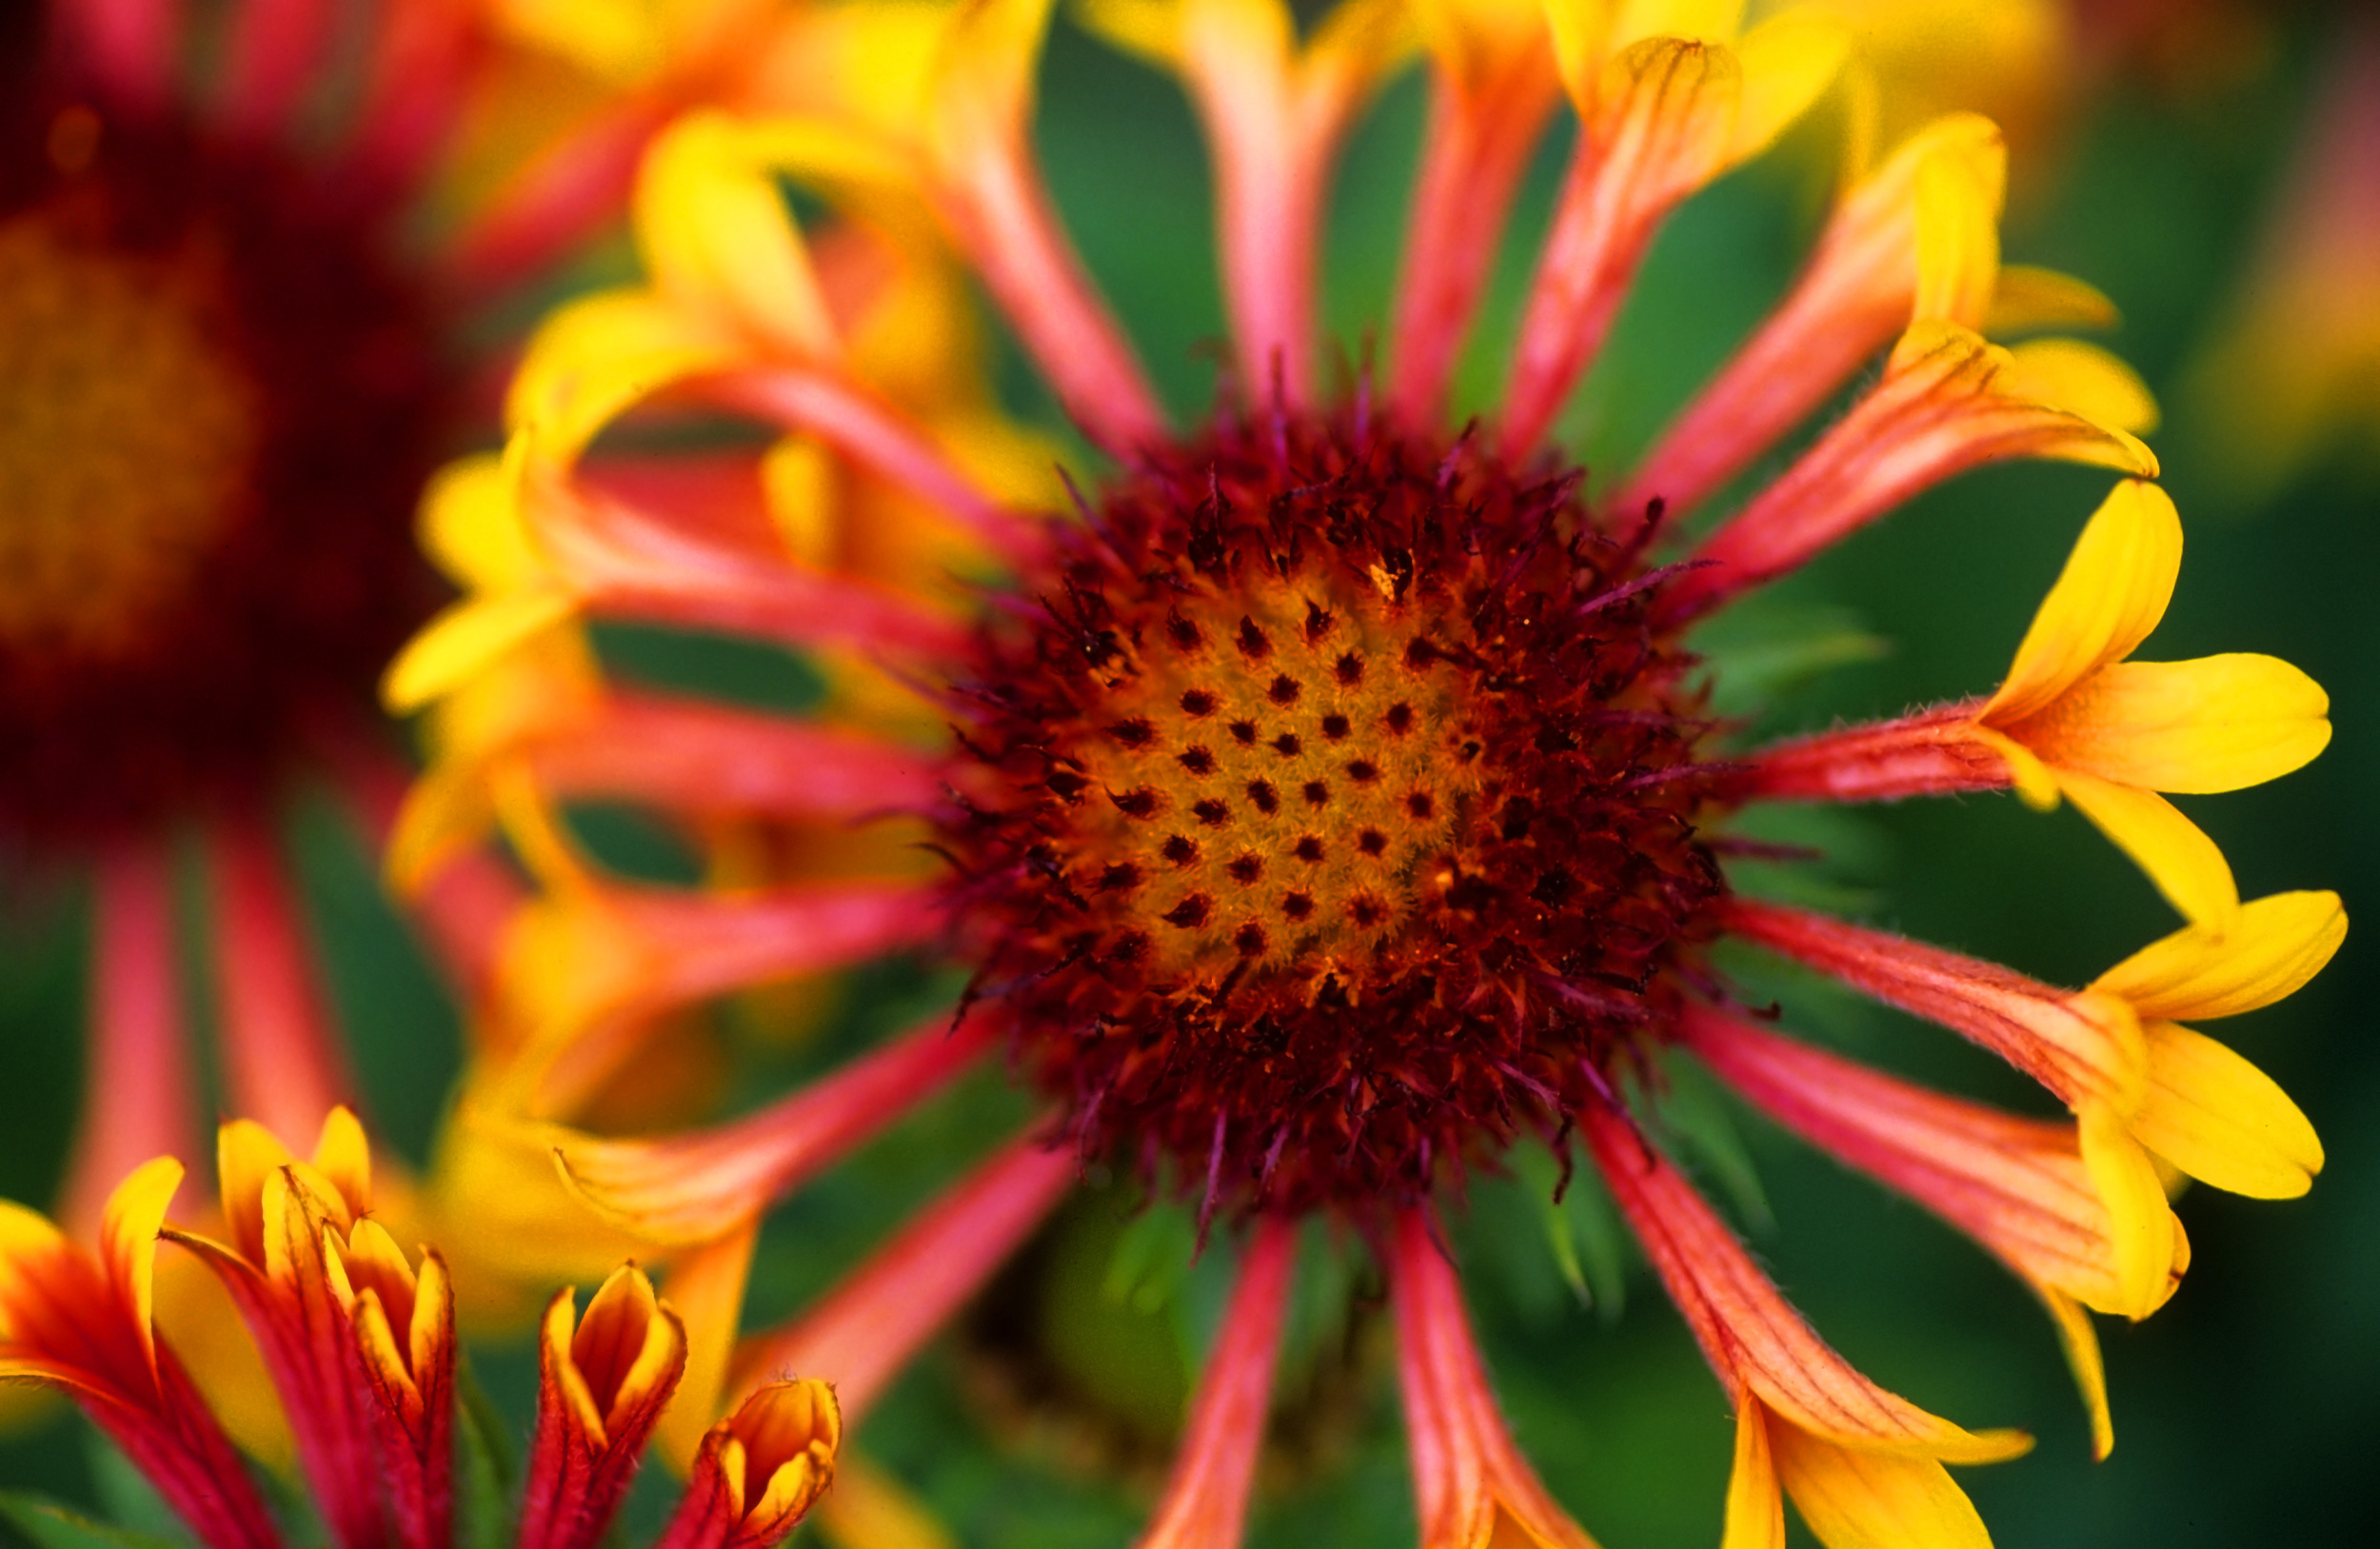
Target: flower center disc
x: 220, y: 391
x: 1332, y: 821
x: 126, y: 436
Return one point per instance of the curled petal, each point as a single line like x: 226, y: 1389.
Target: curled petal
x: 1654, y: 132
x: 590, y: 969
x: 2082, y: 1047
x: 2081, y: 1343
x: 717, y: 238
x: 2140, y: 1223
x: 465, y: 638
x: 1658, y: 119
x: 1854, y: 294
x: 2018, y: 1186
x: 595, y: 357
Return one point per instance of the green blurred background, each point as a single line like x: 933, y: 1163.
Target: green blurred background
x: 2245, y: 1411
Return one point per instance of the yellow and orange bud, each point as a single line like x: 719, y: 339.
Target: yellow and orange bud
x: 603, y: 1381
x: 758, y: 1471
x: 82, y: 1324
x: 324, y: 1291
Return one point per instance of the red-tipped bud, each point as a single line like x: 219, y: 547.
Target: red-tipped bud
x: 603, y: 1384
x: 759, y: 1469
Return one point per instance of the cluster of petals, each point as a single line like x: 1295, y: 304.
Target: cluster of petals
x: 887, y: 473
x: 359, y: 1345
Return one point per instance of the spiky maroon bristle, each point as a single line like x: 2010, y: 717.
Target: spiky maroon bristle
x: 264, y: 373
x: 1328, y: 819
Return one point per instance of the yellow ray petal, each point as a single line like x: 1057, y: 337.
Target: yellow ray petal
x: 2140, y: 1224
x: 1787, y: 61
x: 595, y: 356
x: 246, y: 1154
x: 716, y: 236
x: 2176, y: 853
x: 2107, y: 599
x: 2276, y: 944
x: 1854, y: 1500
x: 2081, y: 1343
x: 2086, y: 380
x: 467, y: 636
x: 1959, y: 237
x: 2216, y: 723
x: 1755, y: 1510
x: 342, y: 1155
x: 706, y: 1287
x: 2222, y: 1120
x: 471, y: 524
x: 127, y: 1239
x: 2027, y: 299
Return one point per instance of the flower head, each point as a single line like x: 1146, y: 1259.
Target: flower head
x: 249, y: 260
x: 1328, y: 801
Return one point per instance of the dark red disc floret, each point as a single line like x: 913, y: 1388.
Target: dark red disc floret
x: 1326, y: 814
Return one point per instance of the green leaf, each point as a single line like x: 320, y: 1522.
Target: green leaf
x: 484, y: 1467
x: 52, y: 1526
x: 1582, y: 1231
x: 125, y: 1497
x: 1151, y: 1258
x: 1595, y: 1225
x: 1320, y: 1299
x: 1692, y: 1110
x: 1757, y: 654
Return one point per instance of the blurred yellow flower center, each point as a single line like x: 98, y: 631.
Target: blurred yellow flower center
x: 128, y: 432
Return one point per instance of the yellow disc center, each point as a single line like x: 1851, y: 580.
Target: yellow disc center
x: 1276, y: 765
x: 127, y: 432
